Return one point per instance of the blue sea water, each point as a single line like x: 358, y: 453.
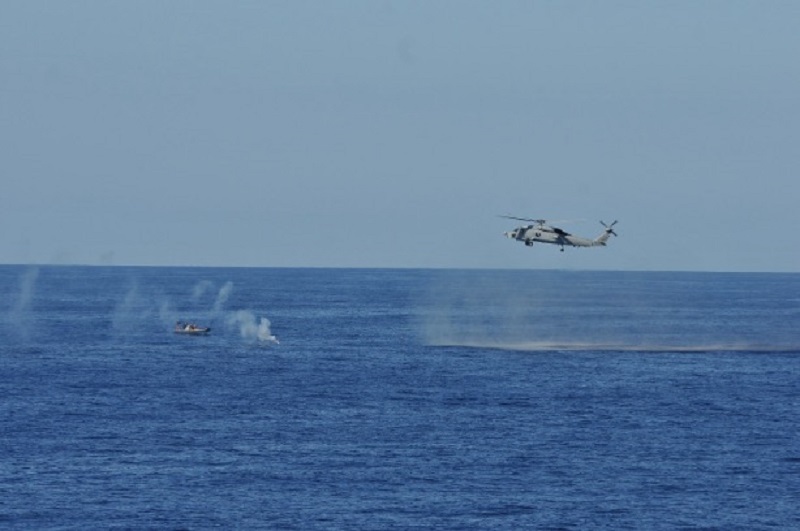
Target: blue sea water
x: 398, y: 399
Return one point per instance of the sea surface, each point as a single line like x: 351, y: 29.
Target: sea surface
x: 375, y: 399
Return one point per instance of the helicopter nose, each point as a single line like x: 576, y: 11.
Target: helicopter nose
x: 509, y: 235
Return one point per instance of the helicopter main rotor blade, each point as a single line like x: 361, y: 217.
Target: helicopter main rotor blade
x: 539, y: 221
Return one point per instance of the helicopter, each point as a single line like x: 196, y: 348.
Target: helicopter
x: 541, y: 231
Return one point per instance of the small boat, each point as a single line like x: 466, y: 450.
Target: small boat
x: 191, y: 329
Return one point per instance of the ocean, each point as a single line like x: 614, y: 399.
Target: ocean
x: 379, y: 398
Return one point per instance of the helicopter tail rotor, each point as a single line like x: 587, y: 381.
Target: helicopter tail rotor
x: 609, y: 228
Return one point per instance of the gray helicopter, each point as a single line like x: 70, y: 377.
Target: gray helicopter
x: 541, y: 231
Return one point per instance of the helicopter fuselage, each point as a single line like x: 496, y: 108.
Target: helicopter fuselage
x: 545, y: 234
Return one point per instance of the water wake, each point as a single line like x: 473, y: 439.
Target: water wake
x: 579, y: 346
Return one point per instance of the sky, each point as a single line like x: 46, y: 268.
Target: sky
x: 395, y: 133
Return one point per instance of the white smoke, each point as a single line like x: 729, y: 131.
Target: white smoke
x: 165, y: 312
x: 251, y: 330
x: 137, y: 307
x: 222, y: 297
x: 200, y: 289
x: 133, y: 308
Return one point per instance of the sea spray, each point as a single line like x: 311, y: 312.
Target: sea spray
x: 19, y: 316
x: 26, y: 289
x: 251, y: 330
x: 467, y: 308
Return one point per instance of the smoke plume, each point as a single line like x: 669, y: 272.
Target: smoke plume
x: 222, y: 297
x: 249, y: 329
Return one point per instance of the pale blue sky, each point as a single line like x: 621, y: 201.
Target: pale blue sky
x: 392, y: 134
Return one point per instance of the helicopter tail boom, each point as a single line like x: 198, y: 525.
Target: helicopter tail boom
x: 603, y: 238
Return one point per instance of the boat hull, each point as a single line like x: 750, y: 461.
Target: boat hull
x: 194, y: 332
